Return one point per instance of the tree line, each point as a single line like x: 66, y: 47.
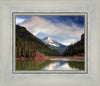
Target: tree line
x: 27, y: 44
x: 76, y: 49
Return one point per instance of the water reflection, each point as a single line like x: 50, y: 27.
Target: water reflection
x: 77, y: 65
x: 51, y: 64
x: 65, y: 65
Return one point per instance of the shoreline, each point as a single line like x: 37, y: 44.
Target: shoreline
x: 69, y: 57
x: 48, y: 57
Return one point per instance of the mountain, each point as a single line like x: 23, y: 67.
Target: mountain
x: 76, y: 49
x: 60, y: 48
x: 27, y: 44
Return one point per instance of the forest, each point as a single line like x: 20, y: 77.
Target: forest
x: 27, y: 44
x: 76, y: 49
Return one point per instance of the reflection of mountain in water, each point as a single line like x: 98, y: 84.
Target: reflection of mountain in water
x: 76, y: 65
x: 65, y: 65
x: 59, y: 64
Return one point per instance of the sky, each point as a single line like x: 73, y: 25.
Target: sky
x: 64, y: 29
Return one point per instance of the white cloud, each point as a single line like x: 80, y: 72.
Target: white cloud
x: 69, y: 41
x: 19, y: 20
x: 69, y: 34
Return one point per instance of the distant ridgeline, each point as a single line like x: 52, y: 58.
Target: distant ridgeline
x: 76, y: 49
x: 27, y: 44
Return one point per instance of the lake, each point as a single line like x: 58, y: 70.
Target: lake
x: 51, y: 64
x: 65, y: 64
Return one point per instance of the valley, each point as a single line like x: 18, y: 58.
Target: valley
x: 35, y: 54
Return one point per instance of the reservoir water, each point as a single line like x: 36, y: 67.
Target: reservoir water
x: 65, y: 64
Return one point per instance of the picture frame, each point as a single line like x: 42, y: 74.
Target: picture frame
x: 51, y: 14
x: 6, y: 48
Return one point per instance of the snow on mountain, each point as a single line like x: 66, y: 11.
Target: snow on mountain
x: 48, y: 40
x: 54, y: 44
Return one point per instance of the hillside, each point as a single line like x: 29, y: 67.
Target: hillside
x: 76, y: 49
x: 27, y: 44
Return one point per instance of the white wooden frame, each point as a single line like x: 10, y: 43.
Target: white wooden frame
x: 8, y: 78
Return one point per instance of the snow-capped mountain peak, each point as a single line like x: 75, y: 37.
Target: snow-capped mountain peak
x: 47, y: 38
x: 50, y: 41
x: 54, y: 45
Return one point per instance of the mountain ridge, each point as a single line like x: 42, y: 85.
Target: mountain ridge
x: 76, y: 49
x: 27, y: 43
x: 60, y: 48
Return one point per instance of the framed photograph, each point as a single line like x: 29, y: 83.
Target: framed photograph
x: 49, y: 43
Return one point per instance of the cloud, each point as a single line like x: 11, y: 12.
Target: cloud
x: 19, y: 20
x: 66, y: 34
x: 69, y: 41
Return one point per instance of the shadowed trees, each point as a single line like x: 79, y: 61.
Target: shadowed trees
x: 27, y: 44
x: 76, y: 49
